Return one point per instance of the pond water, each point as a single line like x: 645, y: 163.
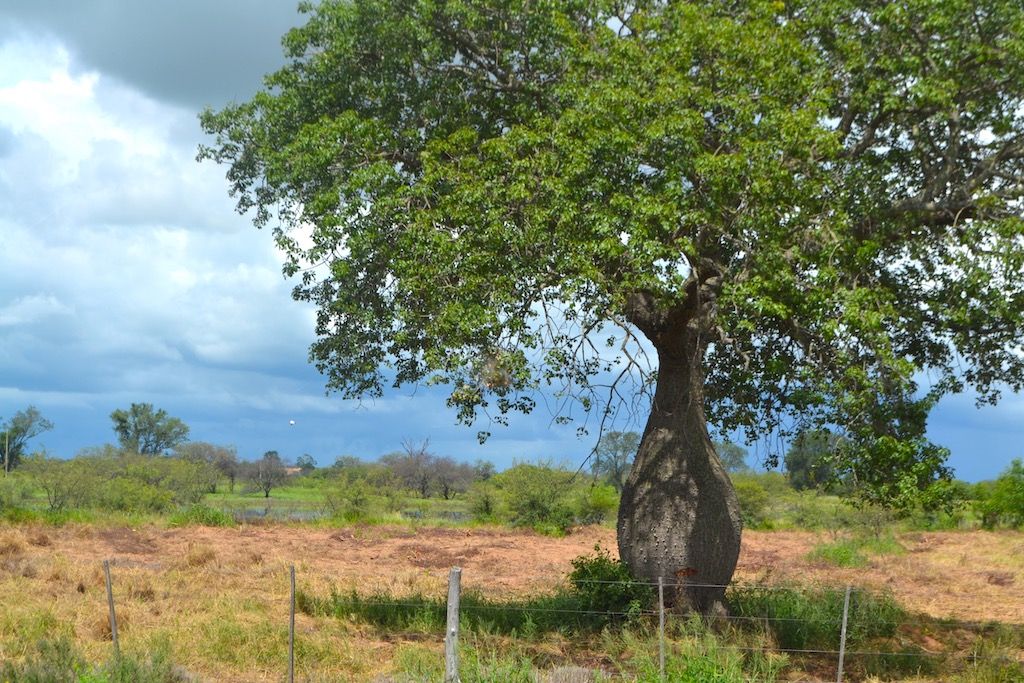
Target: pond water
x: 271, y: 513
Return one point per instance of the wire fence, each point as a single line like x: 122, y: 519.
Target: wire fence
x: 839, y: 628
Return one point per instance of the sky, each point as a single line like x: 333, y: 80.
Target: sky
x: 126, y: 276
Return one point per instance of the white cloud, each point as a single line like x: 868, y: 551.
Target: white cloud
x: 119, y: 245
x: 29, y: 309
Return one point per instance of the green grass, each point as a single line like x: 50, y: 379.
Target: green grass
x: 291, y: 494
x: 200, y: 515
x: 855, y: 551
x: 308, y: 503
x: 57, y: 661
x: 807, y: 618
x: 695, y: 654
x: 513, y: 639
x: 100, y: 518
x: 560, y: 612
x: 841, y: 553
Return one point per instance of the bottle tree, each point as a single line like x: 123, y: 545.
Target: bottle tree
x: 797, y: 210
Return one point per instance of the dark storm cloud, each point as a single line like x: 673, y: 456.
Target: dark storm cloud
x: 191, y: 52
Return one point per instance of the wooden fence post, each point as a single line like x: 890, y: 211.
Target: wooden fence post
x: 842, y: 636
x: 110, y: 605
x: 291, y: 630
x: 451, y: 638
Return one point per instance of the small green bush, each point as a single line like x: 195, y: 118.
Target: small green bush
x: 18, y: 515
x: 132, y: 495
x: 348, y: 500
x: 595, y: 504
x: 604, y: 584
x: 15, y: 490
x: 537, y: 496
x: 483, y: 501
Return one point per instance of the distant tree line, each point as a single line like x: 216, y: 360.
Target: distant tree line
x: 155, y: 468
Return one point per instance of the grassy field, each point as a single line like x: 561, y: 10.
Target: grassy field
x: 202, y: 589
x: 213, y: 601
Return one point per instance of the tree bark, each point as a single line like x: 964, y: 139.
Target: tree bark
x: 679, y: 517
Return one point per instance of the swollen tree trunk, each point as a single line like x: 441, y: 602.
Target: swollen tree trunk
x: 679, y: 517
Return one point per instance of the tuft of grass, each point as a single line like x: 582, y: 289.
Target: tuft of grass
x: 856, y: 551
x: 420, y: 663
x: 898, y: 662
x: 200, y: 515
x: 704, y: 658
x: 199, y: 555
x: 841, y: 553
x: 12, y: 544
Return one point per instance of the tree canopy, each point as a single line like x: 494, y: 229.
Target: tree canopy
x: 485, y: 184
x: 16, y: 432
x: 267, y: 473
x: 733, y: 456
x: 140, y: 429
x: 810, y: 211
x: 613, y: 457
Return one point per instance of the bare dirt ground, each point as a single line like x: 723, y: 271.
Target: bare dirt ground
x: 974, y: 576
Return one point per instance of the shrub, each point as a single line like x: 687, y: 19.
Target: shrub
x: 595, y: 504
x: 753, y: 498
x: 1002, y: 503
x: 132, y: 495
x: 841, y: 553
x: 66, y: 483
x: 483, y: 501
x: 349, y: 502
x: 604, y: 584
x: 14, y: 491
x: 537, y: 496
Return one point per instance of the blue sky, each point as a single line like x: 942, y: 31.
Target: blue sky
x: 126, y: 276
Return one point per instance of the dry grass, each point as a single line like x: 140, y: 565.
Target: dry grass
x: 219, y: 596
x: 199, y: 556
x: 12, y: 543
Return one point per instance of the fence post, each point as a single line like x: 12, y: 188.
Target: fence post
x: 291, y: 630
x: 661, y: 627
x: 451, y: 638
x: 842, y: 636
x: 113, y: 615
